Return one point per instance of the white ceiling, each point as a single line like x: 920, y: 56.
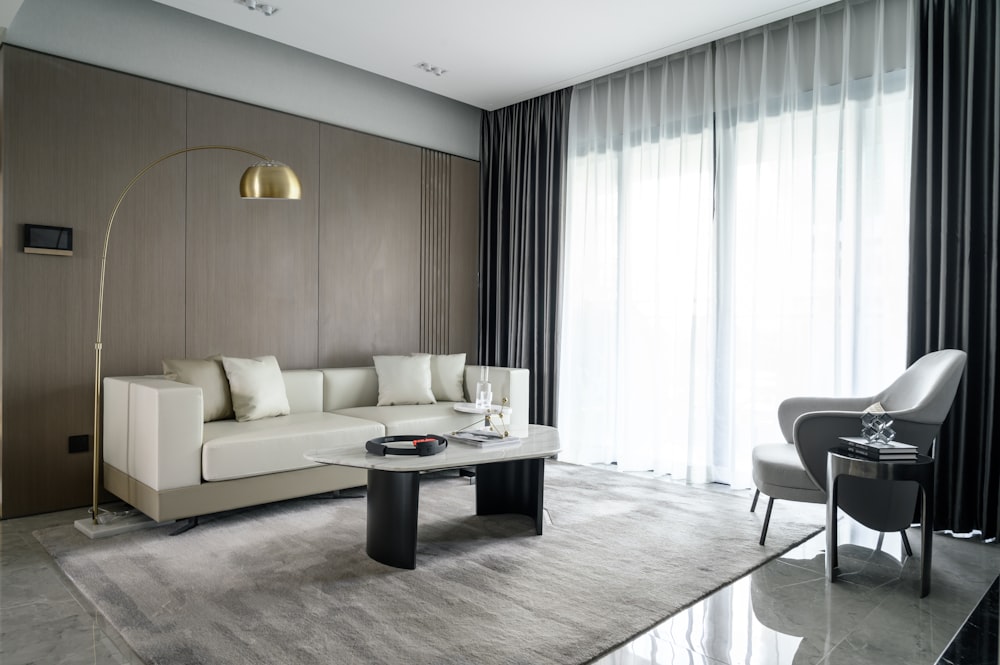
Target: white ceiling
x: 495, y: 53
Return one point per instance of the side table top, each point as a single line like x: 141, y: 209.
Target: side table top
x: 844, y: 453
x: 541, y: 441
x: 841, y: 462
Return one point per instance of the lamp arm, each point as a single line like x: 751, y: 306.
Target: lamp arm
x: 100, y: 299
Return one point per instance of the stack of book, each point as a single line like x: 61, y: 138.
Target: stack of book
x: 880, y: 451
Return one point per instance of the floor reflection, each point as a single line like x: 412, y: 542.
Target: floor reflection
x: 785, y: 612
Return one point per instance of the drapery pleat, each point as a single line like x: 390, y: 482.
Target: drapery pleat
x: 954, y: 245
x: 522, y: 166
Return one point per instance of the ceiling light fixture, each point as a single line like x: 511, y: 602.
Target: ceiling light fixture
x: 262, y: 7
x: 430, y: 69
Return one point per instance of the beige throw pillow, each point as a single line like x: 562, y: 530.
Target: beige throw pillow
x: 447, y: 376
x: 404, y: 380
x: 208, y: 375
x: 257, y: 387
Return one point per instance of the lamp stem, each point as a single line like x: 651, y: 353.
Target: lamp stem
x: 100, y: 302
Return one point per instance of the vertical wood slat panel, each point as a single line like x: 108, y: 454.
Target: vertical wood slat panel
x: 435, y: 246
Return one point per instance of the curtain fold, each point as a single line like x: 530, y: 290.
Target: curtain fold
x: 954, y: 245
x: 522, y: 165
x: 734, y: 219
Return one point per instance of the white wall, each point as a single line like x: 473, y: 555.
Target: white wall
x: 158, y: 42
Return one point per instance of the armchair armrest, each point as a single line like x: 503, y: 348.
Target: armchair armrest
x: 815, y: 433
x: 793, y: 407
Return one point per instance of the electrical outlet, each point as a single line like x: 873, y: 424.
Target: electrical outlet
x: 79, y: 443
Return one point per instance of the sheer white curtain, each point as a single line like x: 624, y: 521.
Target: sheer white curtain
x: 635, y: 351
x: 736, y: 233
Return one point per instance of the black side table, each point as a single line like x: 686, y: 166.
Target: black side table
x: 921, y: 471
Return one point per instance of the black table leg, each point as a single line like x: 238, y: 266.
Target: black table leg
x: 513, y: 487
x: 926, y: 535
x: 393, y: 497
x: 831, y: 523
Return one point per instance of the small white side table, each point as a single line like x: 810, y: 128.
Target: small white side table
x: 469, y: 407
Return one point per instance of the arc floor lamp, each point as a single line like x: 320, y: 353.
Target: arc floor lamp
x: 265, y: 179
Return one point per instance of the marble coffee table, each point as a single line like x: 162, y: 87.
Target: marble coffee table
x: 509, y: 479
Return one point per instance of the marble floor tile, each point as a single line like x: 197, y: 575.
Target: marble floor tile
x: 978, y: 642
x: 43, y: 619
x: 54, y: 632
x: 785, y: 612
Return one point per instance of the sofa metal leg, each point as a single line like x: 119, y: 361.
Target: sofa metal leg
x: 767, y: 520
x: 339, y: 494
x: 753, y: 506
x: 906, y: 543
x: 185, y: 525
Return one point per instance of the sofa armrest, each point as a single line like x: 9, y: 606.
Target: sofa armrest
x: 153, y: 430
x: 509, y: 382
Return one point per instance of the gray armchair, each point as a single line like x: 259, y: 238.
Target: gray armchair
x: 918, y: 401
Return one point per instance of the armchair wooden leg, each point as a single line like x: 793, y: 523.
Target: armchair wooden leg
x: 906, y: 543
x: 767, y: 519
x: 753, y: 506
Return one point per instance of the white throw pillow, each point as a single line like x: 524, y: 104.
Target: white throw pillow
x: 447, y: 376
x: 208, y: 375
x: 257, y: 387
x: 404, y: 380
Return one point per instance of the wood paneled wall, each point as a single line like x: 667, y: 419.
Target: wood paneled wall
x: 194, y: 270
x: 370, y: 241
x: 251, y: 265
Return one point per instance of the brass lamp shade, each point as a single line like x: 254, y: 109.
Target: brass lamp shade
x: 270, y: 180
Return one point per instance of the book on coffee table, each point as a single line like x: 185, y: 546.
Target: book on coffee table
x: 481, y: 439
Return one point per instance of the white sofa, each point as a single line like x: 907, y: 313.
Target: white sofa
x: 160, y: 457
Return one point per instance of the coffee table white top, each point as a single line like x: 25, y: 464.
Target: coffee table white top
x: 542, y: 441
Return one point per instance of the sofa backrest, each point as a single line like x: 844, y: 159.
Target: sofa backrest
x: 348, y: 387
x: 304, y: 388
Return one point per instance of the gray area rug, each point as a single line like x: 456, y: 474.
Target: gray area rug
x: 291, y: 583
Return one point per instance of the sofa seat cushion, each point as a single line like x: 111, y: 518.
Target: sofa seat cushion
x: 414, y: 418
x: 232, y: 449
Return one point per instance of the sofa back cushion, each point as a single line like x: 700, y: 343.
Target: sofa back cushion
x: 257, y: 387
x: 208, y: 375
x: 348, y: 387
x: 447, y: 376
x: 304, y: 388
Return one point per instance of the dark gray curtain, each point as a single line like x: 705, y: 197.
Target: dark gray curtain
x: 522, y: 172
x: 953, y: 247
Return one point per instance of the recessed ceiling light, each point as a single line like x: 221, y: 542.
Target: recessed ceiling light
x: 262, y: 7
x: 430, y: 69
